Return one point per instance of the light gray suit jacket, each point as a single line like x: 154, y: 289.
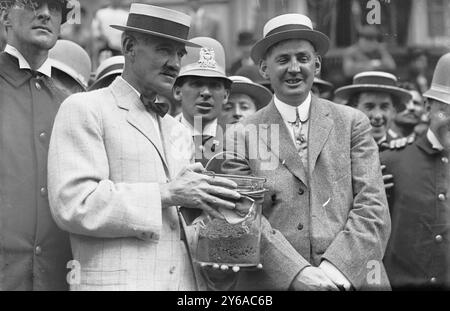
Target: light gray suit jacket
x: 106, y: 162
x: 335, y: 209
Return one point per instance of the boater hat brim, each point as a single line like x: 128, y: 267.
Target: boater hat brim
x: 158, y: 34
x: 319, y: 40
x: 346, y: 92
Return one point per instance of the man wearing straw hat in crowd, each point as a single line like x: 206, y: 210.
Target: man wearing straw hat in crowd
x: 326, y: 194
x: 377, y: 95
x: 418, y: 252
x: 119, y: 166
x: 33, y: 251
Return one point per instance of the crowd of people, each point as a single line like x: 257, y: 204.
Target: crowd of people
x: 107, y: 169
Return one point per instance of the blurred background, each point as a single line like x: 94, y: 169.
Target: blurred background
x: 407, y: 28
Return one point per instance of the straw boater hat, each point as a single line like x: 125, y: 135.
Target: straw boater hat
x: 207, y: 61
x: 108, y: 70
x: 72, y: 59
x: 323, y: 85
x: 440, y: 86
x: 289, y: 26
x: 259, y: 93
x: 158, y: 21
x: 374, y: 81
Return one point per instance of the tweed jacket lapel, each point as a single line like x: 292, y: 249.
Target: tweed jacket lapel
x: 320, y: 126
x: 137, y: 116
x: 285, y: 149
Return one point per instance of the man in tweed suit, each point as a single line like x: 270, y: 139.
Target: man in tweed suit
x: 326, y: 195
x: 118, y: 166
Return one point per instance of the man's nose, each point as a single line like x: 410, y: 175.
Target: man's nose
x: 410, y: 106
x: 205, y: 91
x: 294, y: 65
x: 237, y: 112
x: 174, y: 63
x: 43, y: 11
x: 377, y: 114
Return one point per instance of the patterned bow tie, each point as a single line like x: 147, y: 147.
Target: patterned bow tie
x: 160, y: 109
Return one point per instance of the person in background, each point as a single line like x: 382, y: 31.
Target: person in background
x: 203, y: 88
x: 245, y: 99
x: 367, y: 54
x: 107, y: 72
x: 418, y: 254
x: 34, y: 252
x: 376, y: 94
x: 245, y: 42
x: 418, y: 69
x: 406, y: 121
x: 203, y: 24
x: 71, y: 66
x: 107, y: 41
x: 322, y: 88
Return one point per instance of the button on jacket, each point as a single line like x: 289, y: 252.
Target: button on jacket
x: 33, y: 251
x: 419, y: 247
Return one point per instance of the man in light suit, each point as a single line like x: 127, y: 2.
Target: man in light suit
x: 326, y: 195
x: 118, y: 166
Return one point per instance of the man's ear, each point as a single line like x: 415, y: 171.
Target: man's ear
x: 4, y: 18
x: 177, y: 92
x: 318, y: 64
x: 263, y: 69
x: 129, y: 46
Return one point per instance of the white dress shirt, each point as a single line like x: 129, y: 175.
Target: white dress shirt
x: 45, y: 69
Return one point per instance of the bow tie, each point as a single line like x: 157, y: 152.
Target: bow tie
x: 160, y: 109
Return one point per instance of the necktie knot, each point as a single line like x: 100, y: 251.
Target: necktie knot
x: 160, y: 108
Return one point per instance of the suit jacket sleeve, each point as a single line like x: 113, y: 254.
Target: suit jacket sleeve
x: 366, y: 232
x: 82, y: 198
x: 281, y: 262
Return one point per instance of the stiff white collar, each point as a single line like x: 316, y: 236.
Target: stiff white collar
x: 434, y: 141
x: 45, y: 69
x: 209, y: 129
x: 288, y: 111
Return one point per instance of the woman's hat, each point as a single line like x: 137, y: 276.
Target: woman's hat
x: 440, y: 85
x: 374, y: 81
x: 158, y: 21
x: 107, y: 71
x: 72, y: 59
x: 289, y: 26
x: 259, y: 93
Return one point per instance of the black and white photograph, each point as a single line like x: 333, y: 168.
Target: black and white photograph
x: 244, y: 147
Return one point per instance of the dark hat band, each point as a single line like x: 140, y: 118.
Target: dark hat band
x: 159, y: 25
x: 287, y: 28
x: 375, y: 80
x: 109, y: 69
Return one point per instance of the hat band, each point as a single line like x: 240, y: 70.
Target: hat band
x: 110, y: 68
x: 375, y: 80
x: 155, y: 24
x: 287, y: 28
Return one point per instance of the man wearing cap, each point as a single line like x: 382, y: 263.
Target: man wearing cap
x: 418, y: 252
x: 33, y: 251
x: 203, y: 88
x: 245, y: 99
x: 376, y: 94
x: 244, y: 44
x: 326, y: 195
x: 119, y: 166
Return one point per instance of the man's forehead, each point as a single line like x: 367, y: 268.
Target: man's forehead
x: 293, y: 44
x: 376, y: 95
